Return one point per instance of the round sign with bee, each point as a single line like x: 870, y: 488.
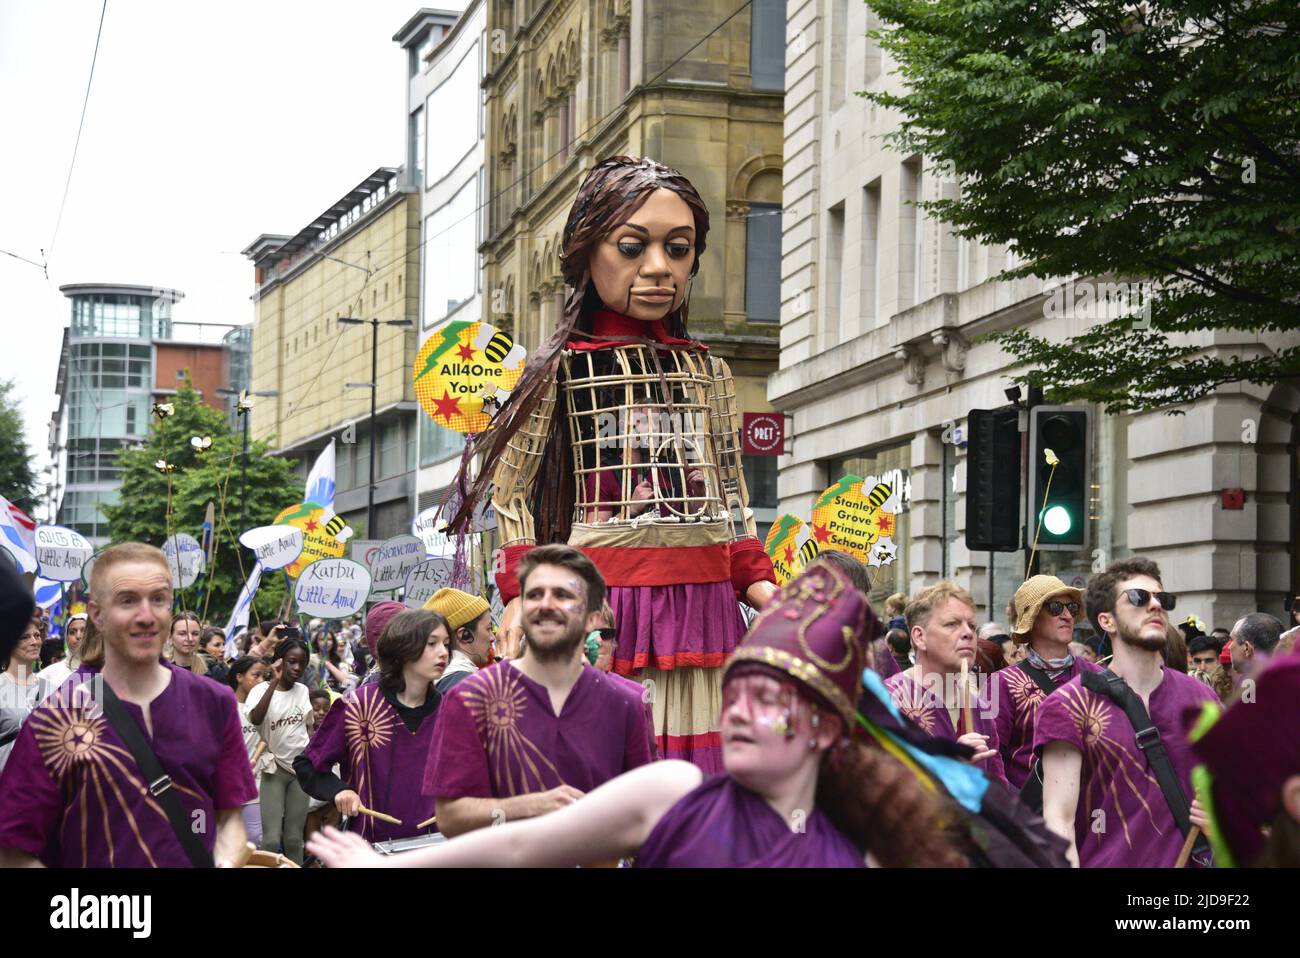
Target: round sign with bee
x: 858, y: 518
x: 464, y: 372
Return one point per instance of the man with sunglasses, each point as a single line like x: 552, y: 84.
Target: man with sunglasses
x: 1046, y: 612
x: 1102, y: 788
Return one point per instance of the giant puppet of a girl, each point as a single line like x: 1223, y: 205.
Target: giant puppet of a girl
x: 621, y: 439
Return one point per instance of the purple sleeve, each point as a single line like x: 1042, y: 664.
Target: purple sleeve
x: 457, y: 766
x: 994, y: 767
x: 329, y: 744
x: 1003, y: 719
x: 232, y: 785
x: 1054, y: 722
x: 29, y: 800
x: 638, y: 745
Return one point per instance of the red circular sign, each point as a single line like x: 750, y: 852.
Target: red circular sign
x: 764, y: 433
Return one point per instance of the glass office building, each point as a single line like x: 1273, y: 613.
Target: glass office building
x: 106, y: 385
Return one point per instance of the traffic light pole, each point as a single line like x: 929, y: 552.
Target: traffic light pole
x: 1032, y: 560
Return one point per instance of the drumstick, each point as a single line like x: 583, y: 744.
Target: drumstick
x: 1186, y: 853
x: 965, y: 694
x: 244, y: 854
x: 379, y: 815
x: 427, y: 822
x: 257, y: 753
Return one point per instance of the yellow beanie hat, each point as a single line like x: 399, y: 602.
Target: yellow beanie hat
x: 457, y: 607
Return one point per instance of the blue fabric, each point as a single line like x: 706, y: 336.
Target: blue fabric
x: 965, y: 783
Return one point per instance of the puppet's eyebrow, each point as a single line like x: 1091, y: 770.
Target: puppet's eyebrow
x: 675, y: 229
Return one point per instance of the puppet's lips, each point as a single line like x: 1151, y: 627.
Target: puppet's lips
x: 655, y: 295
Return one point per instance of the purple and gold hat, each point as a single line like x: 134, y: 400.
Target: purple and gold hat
x: 1246, y: 754
x: 815, y: 629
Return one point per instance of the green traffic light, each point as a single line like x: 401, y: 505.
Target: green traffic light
x: 1057, y: 520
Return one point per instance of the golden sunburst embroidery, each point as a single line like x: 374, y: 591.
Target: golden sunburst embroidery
x: 910, y: 699
x: 1111, y: 765
x: 368, y: 722
x: 497, y: 700
x: 69, y: 731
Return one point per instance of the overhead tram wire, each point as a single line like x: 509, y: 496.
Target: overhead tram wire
x: 49, y: 250
x: 540, y: 166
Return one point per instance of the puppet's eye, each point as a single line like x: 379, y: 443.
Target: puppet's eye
x: 630, y: 248
x: 679, y: 250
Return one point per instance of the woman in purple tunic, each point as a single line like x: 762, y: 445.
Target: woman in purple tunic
x: 798, y: 791
x: 379, y: 734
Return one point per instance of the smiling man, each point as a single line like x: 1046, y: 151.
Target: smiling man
x: 930, y: 693
x: 528, y: 736
x: 71, y: 767
x: 1101, y: 784
x: 1046, y: 612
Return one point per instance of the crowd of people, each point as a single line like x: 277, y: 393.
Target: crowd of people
x: 1071, y: 734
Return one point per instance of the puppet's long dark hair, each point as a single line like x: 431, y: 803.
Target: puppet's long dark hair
x: 609, y: 195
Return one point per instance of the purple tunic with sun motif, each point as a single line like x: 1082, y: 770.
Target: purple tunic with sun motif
x: 73, y: 796
x: 723, y: 825
x: 379, y: 758
x: 926, y: 709
x: 1122, y: 819
x: 497, y: 735
x: 1016, y: 697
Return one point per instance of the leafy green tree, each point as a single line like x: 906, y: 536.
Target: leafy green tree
x: 17, y: 478
x: 1156, y: 141
x: 197, y: 478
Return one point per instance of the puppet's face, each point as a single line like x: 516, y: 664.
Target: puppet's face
x: 640, y: 268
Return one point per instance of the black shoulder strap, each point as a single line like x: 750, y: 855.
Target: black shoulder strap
x: 1041, y: 678
x: 1113, y: 687
x: 160, y: 783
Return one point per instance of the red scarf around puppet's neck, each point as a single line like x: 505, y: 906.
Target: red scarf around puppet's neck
x: 610, y: 328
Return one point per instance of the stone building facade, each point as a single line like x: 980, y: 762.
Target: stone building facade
x: 881, y: 362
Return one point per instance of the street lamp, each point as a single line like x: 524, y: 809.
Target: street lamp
x: 243, y: 459
x: 373, y: 386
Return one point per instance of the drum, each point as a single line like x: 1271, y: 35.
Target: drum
x: 395, y: 846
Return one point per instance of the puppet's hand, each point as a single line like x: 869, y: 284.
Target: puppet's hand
x: 759, y: 594
x: 510, y: 631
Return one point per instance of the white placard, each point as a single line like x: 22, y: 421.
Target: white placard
x: 187, y: 568
x: 332, y: 588
x: 426, y: 579
x: 393, y: 561
x: 429, y: 530
x: 60, y: 553
x: 275, y: 546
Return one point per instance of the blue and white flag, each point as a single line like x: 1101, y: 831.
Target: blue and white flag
x: 320, y: 481
x: 239, y: 618
x: 18, y: 535
x: 47, y: 592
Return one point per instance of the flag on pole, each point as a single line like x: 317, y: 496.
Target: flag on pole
x: 209, y: 522
x: 47, y: 593
x: 239, y: 618
x: 18, y: 534
x: 320, y: 481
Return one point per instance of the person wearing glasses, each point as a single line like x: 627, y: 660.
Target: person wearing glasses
x: 1046, y: 612
x: 1100, y: 792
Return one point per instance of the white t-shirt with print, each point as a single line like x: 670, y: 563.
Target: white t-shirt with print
x: 253, y: 738
x: 285, y: 725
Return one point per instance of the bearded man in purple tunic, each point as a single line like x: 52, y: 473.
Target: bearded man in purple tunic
x: 1046, y: 611
x: 1099, y: 791
x: 527, y: 736
x: 72, y: 794
x: 804, y: 786
x: 930, y: 693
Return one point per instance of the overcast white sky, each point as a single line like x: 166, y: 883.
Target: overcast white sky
x: 208, y: 124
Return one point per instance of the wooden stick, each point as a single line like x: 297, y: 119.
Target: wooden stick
x: 1186, y: 853
x: 244, y: 854
x: 427, y: 822
x: 379, y: 815
x: 965, y: 694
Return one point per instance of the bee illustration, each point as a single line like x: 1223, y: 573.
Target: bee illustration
x: 808, y: 551
x: 162, y: 465
x: 498, y: 347
x: 336, y: 526
x: 201, y: 444
x: 163, y: 409
x: 879, y: 494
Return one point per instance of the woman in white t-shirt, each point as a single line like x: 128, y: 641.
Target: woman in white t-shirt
x: 19, y: 686
x: 281, y: 710
x: 246, y: 673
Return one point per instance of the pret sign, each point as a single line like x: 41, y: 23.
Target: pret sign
x: 764, y: 434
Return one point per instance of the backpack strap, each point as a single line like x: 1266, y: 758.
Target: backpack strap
x: 1031, y: 793
x: 160, y: 783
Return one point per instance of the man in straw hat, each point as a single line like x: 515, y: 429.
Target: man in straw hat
x: 1046, y: 612
x: 1101, y: 783
x: 939, y: 693
x: 470, y: 620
